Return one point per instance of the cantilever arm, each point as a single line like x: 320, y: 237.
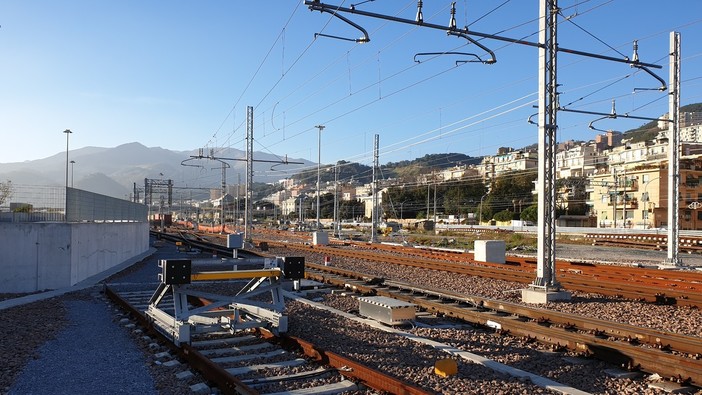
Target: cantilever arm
x: 182, y: 163
x: 599, y: 119
x: 611, y: 115
x: 451, y: 53
x: 361, y: 40
x: 661, y: 88
x: 459, y: 33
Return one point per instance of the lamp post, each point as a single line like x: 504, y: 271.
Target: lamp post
x: 319, y: 165
x: 72, y: 163
x: 480, y: 210
x: 68, y: 132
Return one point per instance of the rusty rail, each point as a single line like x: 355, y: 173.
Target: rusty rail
x: 348, y: 367
x: 227, y: 383
x: 586, y: 335
x: 632, y: 283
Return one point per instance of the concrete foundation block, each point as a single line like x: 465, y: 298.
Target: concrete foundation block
x: 540, y: 296
x: 320, y: 238
x: 489, y: 251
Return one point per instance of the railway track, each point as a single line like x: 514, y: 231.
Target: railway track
x: 688, y: 244
x: 257, y: 361
x: 635, y: 283
x: 676, y: 357
x: 670, y: 355
x: 683, y: 288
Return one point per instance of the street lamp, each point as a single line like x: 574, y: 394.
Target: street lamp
x: 319, y: 165
x: 480, y: 210
x: 72, y: 163
x: 68, y: 132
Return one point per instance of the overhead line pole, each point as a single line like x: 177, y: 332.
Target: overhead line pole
x: 674, y: 151
x: 248, y: 219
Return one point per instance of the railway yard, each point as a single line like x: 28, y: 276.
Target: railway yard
x: 628, y: 329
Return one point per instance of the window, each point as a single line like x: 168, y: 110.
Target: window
x: 645, y: 178
x: 688, y: 215
x: 644, y: 214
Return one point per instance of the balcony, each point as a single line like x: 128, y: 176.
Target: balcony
x: 630, y: 204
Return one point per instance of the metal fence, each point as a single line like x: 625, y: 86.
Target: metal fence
x: 34, y: 203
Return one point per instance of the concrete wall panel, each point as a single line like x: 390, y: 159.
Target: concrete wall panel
x: 40, y: 256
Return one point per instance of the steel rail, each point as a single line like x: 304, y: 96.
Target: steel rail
x: 600, y: 283
x: 347, y: 367
x: 538, y: 324
x: 227, y: 383
x: 631, y: 283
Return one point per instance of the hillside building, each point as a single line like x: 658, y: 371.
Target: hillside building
x: 507, y: 161
x: 635, y: 195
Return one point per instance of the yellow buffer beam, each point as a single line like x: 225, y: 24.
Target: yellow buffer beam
x: 233, y: 275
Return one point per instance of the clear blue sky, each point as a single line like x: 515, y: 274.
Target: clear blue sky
x: 179, y: 75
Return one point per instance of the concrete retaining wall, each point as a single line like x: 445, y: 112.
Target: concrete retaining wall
x: 50, y: 255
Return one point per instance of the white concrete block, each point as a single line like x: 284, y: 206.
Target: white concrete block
x: 490, y: 251
x: 320, y: 238
x: 538, y: 296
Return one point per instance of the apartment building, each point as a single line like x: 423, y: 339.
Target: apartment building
x: 635, y: 195
x: 507, y: 160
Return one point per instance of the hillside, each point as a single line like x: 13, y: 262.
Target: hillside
x: 403, y: 170
x: 649, y: 130
x: 114, y: 171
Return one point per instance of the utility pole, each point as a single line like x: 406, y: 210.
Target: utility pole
x: 614, y: 198
x: 428, y: 191
x: 319, y: 166
x: 236, y: 208
x: 336, y: 200
x: 673, y: 153
x: 374, y: 192
x: 545, y: 287
x: 435, y: 202
x: 248, y: 221
x: 624, y: 188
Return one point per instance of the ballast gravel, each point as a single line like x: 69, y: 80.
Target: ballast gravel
x: 90, y: 355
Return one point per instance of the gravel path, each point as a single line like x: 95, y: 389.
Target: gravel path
x: 90, y: 355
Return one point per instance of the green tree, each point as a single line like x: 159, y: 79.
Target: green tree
x: 504, y: 215
x: 512, y: 190
x: 5, y: 191
x: 530, y: 213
